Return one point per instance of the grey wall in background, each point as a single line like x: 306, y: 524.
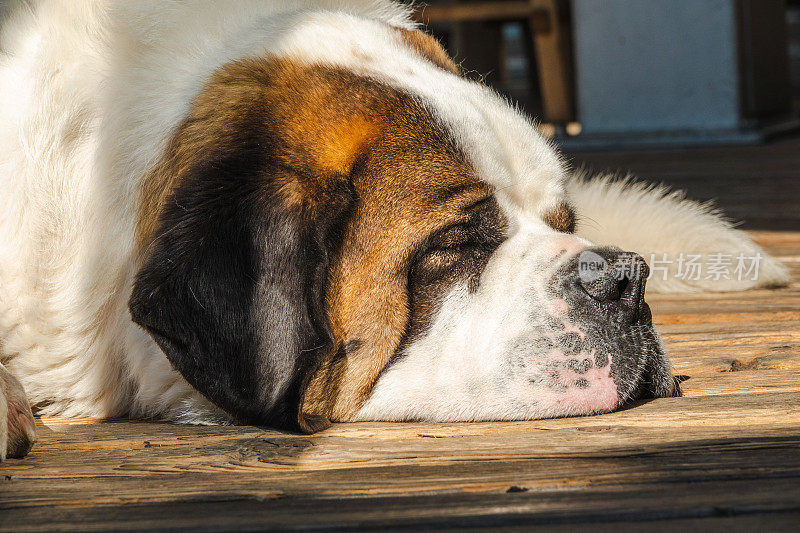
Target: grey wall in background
x: 655, y: 65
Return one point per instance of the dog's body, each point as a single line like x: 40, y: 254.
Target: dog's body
x: 295, y: 212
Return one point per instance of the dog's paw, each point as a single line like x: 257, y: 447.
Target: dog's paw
x: 17, y: 426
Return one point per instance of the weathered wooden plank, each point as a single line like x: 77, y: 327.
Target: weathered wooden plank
x: 666, y: 440
x: 779, y: 243
x: 771, y: 500
x: 742, y: 381
x: 765, y: 458
x: 689, y: 362
x: 722, y: 332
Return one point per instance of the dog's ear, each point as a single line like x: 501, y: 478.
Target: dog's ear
x: 429, y: 48
x: 232, y: 285
x: 236, y: 225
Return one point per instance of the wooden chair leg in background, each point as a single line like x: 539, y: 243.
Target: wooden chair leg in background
x: 552, y: 46
x: 549, y: 26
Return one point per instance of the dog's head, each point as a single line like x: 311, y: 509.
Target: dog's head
x: 360, y: 233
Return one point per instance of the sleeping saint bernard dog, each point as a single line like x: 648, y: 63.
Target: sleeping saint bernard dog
x: 292, y: 213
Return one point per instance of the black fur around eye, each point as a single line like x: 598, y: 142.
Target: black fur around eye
x: 438, y: 258
x: 435, y: 254
x: 449, y: 248
x: 452, y: 237
x: 455, y: 246
x: 444, y: 261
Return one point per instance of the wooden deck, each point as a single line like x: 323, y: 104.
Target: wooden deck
x: 726, y: 455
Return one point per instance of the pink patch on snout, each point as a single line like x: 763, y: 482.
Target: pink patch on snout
x: 558, y: 308
x: 593, y: 390
x: 572, y: 392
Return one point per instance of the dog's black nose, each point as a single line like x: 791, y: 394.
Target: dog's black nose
x: 615, y: 279
x: 617, y: 276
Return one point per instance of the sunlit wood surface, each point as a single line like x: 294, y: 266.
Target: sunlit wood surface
x: 725, y: 456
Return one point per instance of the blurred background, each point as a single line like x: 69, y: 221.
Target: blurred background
x: 634, y: 72
x: 703, y: 95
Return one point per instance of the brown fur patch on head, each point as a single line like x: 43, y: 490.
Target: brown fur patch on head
x: 313, y: 128
x: 412, y: 183
x: 429, y: 48
x: 561, y: 218
x: 328, y: 128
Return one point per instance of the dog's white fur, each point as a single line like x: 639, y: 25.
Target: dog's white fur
x: 92, y: 90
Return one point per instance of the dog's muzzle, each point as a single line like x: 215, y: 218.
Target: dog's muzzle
x: 620, y: 356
